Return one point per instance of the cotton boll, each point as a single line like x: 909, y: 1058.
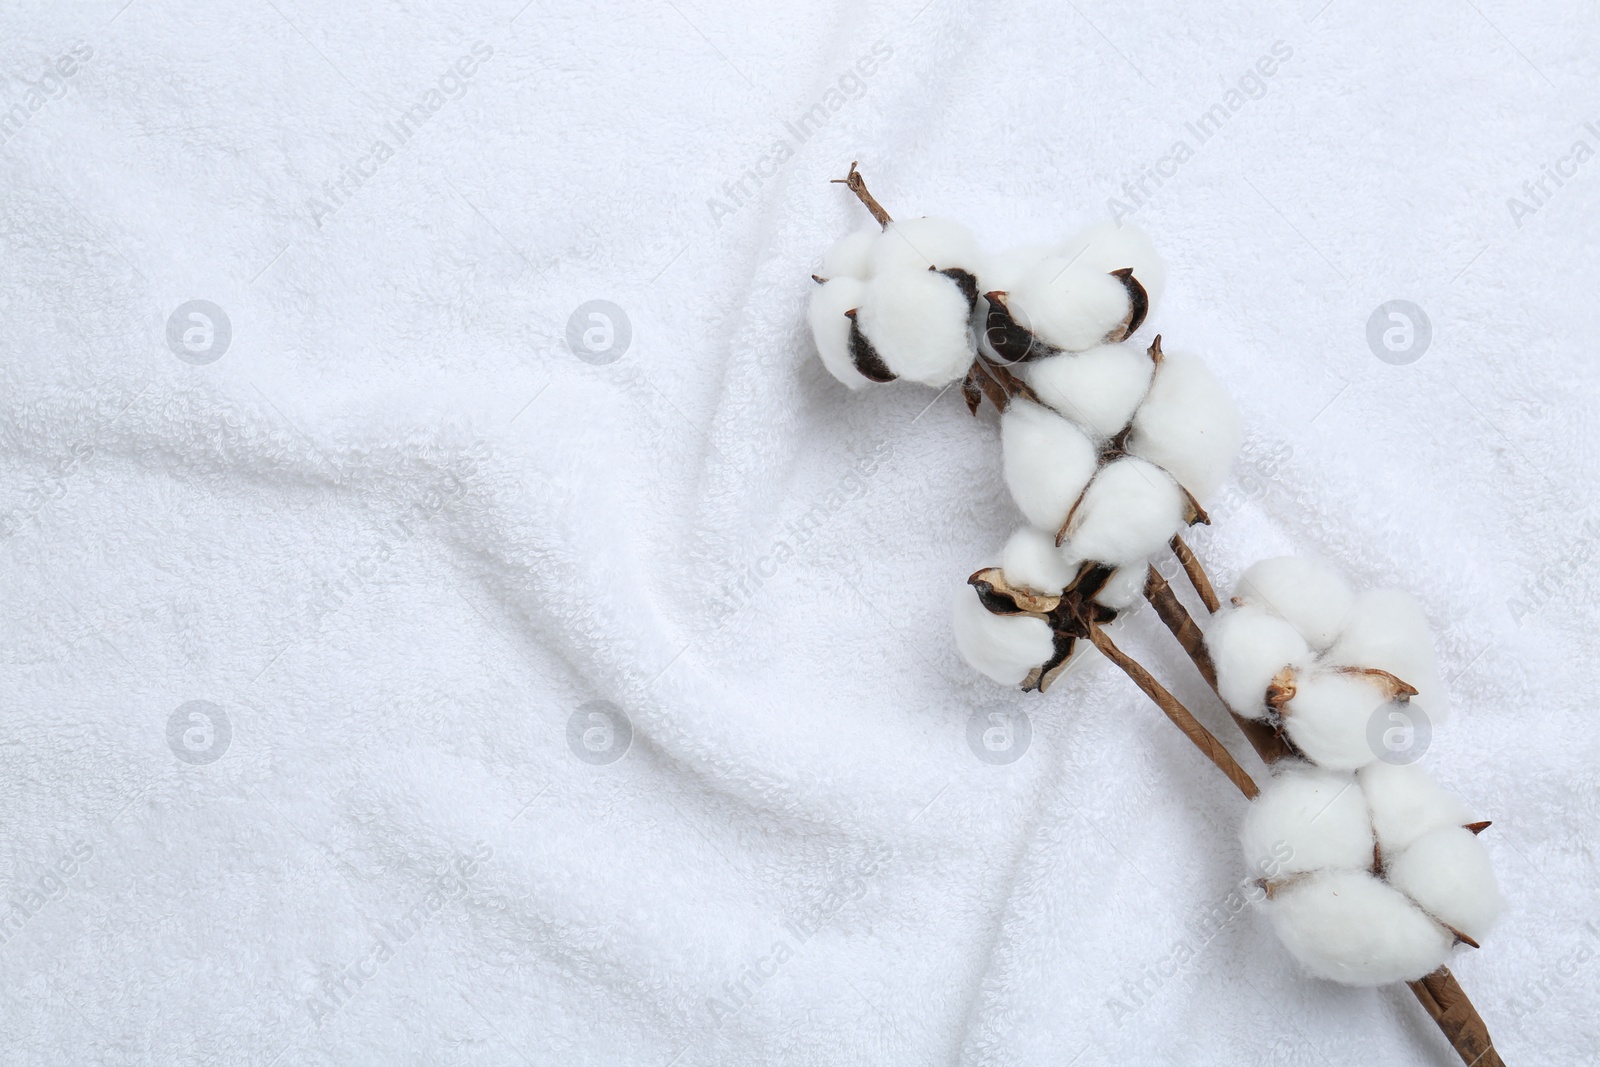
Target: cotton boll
x: 919, y: 323
x: 1109, y: 246
x: 851, y: 256
x: 1248, y: 647
x: 1188, y: 424
x: 914, y: 245
x: 1003, y: 271
x: 1031, y: 559
x: 1125, y: 586
x: 1386, y: 629
x: 1098, y: 388
x: 1448, y: 873
x: 1004, y: 647
x: 1406, y: 803
x: 1131, y: 510
x: 1067, y: 304
x: 1047, y: 462
x: 1349, y: 927
x: 830, y: 326
x: 1305, y: 819
x: 1328, y: 716
x: 1314, y: 599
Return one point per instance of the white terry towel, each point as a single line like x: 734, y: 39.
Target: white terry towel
x: 399, y: 538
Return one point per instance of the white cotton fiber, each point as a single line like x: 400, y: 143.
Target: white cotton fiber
x: 1125, y: 586
x: 1131, y: 510
x: 1448, y: 874
x: 920, y: 324
x: 1004, y: 647
x: 1031, y: 559
x: 830, y: 327
x: 1387, y: 629
x: 851, y: 255
x: 1348, y: 926
x: 1098, y: 388
x: 1306, y: 818
x: 914, y: 245
x: 1188, y: 424
x: 1314, y: 599
x: 1047, y: 462
x: 1328, y: 718
x: 1002, y: 271
x: 1108, y: 247
x: 1406, y: 803
x: 1068, y: 305
x: 1248, y: 647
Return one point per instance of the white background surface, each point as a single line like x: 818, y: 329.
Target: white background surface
x: 399, y: 695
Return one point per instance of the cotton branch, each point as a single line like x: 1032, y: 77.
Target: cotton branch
x: 1441, y: 996
x: 858, y: 185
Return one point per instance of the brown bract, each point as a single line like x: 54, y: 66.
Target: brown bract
x: 1392, y: 686
x: 1070, y: 615
x: 1138, y: 305
x: 864, y: 356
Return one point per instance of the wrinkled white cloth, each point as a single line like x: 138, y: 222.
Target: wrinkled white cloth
x: 397, y: 538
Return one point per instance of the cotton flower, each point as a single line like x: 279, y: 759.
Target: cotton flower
x: 1250, y: 648
x: 1031, y: 559
x: 1448, y: 874
x: 851, y: 256
x: 1125, y: 586
x: 1048, y: 462
x: 1407, y: 803
x: 1310, y: 596
x: 1352, y: 927
x: 1372, y: 876
x: 916, y: 246
x: 1069, y: 306
x: 1108, y: 247
x: 906, y: 296
x: 1375, y: 650
x: 1004, y: 647
x: 1098, y: 285
x: 1099, y: 388
x: 1130, y: 510
x: 1387, y: 629
x: 1188, y: 425
x: 1307, y: 818
x: 1328, y: 715
x: 918, y: 322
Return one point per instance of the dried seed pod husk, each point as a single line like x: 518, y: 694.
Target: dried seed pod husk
x: 1392, y: 687
x: 864, y: 356
x: 1043, y: 676
x: 1003, y: 598
x: 1011, y: 341
x: 965, y: 280
x: 1138, y: 304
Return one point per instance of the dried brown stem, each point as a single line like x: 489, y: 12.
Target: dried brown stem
x: 1196, y: 573
x: 1447, y: 1004
x: 1439, y: 993
x: 1181, y: 623
x: 858, y: 185
x: 1181, y: 716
